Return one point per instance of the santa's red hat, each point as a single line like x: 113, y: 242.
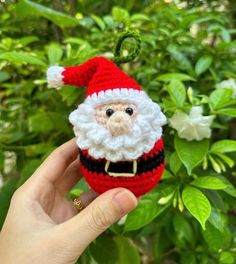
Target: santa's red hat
x: 103, y: 79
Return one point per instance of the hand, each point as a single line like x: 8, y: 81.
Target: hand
x: 42, y: 226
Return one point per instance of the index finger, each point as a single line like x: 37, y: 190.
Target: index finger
x: 56, y: 163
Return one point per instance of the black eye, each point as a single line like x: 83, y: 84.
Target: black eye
x: 129, y: 111
x: 109, y: 112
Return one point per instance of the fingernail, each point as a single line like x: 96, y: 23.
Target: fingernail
x: 125, y: 200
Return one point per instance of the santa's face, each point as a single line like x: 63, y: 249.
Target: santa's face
x: 118, y: 129
x: 117, y: 117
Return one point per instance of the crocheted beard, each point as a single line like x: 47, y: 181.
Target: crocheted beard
x: 118, y: 127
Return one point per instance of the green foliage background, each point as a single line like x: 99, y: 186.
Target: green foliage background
x: 187, y: 48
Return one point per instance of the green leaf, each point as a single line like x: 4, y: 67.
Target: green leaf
x: 203, y: 64
x: 120, y: 14
x: 39, y: 149
x: 82, y: 185
x: 215, y: 239
x: 215, y: 199
x: 174, y: 162
x: 47, y: 121
x: 99, y: 22
x: 28, y: 170
x: 27, y: 8
x: 225, y: 34
x: 209, y: 182
x: 40, y: 122
x: 145, y: 212
x: 140, y: 17
x: 227, y: 258
x: 6, y: 192
x: 75, y: 192
x: 227, y: 111
x: 207, y: 18
x: 220, y: 98
x: 4, y: 76
x: 180, y: 57
x: 127, y: 253
x: 159, y: 245
x: 21, y: 57
x: 165, y: 31
x: 2, y: 159
x: 11, y: 137
x: 175, y: 76
x: 54, y: 54
x: 85, y: 258
x: 28, y: 40
x: 182, y: 228
x: 71, y: 95
x: 191, y: 153
x: 166, y: 175
x: 177, y: 92
x: 224, y: 146
x: 168, y: 105
x: 217, y: 219
x: 189, y: 258
x: 230, y: 189
x: 197, y: 204
x: 104, y: 250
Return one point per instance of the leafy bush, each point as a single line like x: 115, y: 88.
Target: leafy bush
x: 190, y: 216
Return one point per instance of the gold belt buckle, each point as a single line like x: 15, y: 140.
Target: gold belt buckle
x: 125, y: 174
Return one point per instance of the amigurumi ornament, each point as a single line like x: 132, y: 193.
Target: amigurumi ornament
x: 118, y: 127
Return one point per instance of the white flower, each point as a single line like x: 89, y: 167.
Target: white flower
x: 194, y: 126
x: 228, y: 84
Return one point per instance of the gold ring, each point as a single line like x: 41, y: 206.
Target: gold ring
x: 78, y: 204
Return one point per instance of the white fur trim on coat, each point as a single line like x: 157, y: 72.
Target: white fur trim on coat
x: 117, y: 94
x: 55, y: 77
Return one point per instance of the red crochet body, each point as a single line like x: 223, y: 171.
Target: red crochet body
x: 144, y: 180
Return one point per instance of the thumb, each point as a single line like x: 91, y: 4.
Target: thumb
x: 78, y: 232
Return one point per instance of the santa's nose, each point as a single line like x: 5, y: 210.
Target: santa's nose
x: 119, y: 123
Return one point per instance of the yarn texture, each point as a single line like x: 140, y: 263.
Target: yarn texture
x: 118, y: 127
x: 149, y: 170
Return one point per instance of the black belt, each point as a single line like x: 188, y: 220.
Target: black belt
x: 143, y: 165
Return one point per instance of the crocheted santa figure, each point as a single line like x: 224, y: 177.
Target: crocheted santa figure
x: 118, y: 127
